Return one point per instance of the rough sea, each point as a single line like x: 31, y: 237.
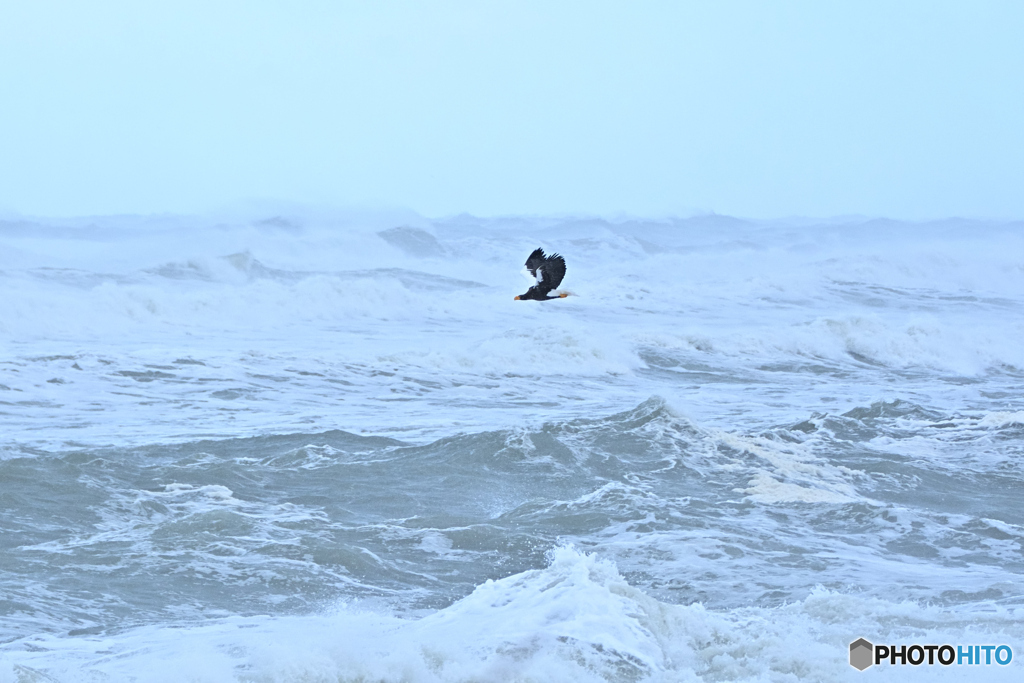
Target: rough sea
x: 310, y: 446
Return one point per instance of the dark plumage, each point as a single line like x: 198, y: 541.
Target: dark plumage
x: 549, y: 271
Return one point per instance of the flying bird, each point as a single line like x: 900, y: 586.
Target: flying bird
x: 549, y: 271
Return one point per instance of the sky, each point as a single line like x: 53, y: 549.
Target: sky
x: 910, y: 109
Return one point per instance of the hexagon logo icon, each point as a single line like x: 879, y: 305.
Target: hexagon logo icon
x: 862, y: 654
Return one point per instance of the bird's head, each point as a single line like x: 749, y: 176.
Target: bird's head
x: 530, y: 295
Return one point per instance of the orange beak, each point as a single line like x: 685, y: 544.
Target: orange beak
x: 516, y: 299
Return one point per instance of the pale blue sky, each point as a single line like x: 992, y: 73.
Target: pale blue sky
x: 911, y: 109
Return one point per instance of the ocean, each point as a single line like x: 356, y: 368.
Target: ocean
x: 312, y: 445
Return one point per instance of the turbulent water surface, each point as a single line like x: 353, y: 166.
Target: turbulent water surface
x: 333, y: 448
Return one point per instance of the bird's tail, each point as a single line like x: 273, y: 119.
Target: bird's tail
x: 562, y: 293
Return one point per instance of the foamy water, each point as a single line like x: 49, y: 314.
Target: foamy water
x: 308, y: 447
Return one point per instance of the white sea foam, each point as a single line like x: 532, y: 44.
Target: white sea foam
x: 576, y: 620
x: 1002, y: 419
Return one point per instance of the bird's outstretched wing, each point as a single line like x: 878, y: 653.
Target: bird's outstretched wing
x: 551, y: 272
x: 548, y: 270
